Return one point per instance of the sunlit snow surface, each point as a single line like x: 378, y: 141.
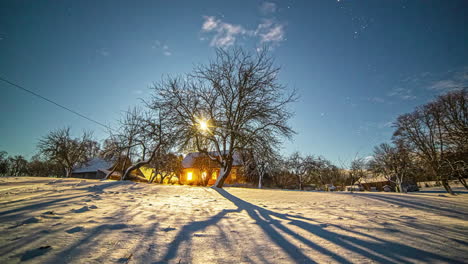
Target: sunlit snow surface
x: 45, y: 220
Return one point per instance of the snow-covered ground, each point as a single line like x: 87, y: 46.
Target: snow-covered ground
x: 45, y: 220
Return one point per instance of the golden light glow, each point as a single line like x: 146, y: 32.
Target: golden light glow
x: 203, y: 125
x: 189, y: 176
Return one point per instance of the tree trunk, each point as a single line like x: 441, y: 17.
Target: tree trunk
x: 139, y: 164
x: 153, y: 176
x: 110, y: 172
x: 447, y: 187
x: 260, y: 179
x: 223, y: 174
x: 132, y: 168
x: 463, y: 181
x: 400, y: 186
x: 299, y: 182
x: 69, y: 172
x: 161, y: 180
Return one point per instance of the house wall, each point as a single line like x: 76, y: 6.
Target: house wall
x: 146, y: 171
x: 379, y: 185
x: 88, y: 175
x: 196, y: 176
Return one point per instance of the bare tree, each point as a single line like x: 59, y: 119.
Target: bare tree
x: 301, y: 168
x: 206, y: 166
x: 422, y: 131
x: 393, y: 162
x: 437, y: 133
x: 3, y: 163
x: 145, y: 133
x: 114, y: 150
x: 357, y: 171
x: 457, y: 167
x: 453, y: 108
x: 281, y: 175
x: 228, y: 105
x: 69, y: 152
x: 17, y: 165
x: 43, y: 168
x: 259, y: 161
x: 324, y: 173
x: 166, y: 166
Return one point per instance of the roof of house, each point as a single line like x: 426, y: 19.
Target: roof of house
x: 94, y: 165
x: 373, y: 179
x: 189, y: 159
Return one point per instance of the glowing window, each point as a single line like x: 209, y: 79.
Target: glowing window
x: 214, y: 175
x: 189, y: 176
x: 203, y: 175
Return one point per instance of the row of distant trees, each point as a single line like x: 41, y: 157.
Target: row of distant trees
x: 19, y: 166
x: 298, y: 171
x: 58, y: 153
x: 428, y: 144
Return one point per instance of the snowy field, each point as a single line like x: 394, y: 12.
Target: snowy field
x: 44, y: 220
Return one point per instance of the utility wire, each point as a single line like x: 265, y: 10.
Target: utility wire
x: 52, y: 102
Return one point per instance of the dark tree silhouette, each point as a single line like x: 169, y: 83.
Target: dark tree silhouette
x: 233, y: 103
x: 60, y: 147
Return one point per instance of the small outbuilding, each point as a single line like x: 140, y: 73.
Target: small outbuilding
x: 96, y: 168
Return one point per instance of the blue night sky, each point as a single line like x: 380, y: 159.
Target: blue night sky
x: 356, y: 64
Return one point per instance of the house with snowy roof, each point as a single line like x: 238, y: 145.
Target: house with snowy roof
x: 199, y: 169
x: 96, y: 168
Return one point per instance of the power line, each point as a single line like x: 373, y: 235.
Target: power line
x: 51, y: 101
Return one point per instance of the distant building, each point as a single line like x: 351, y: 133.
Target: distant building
x: 374, y: 182
x: 96, y: 168
x: 379, y: 183
x: 199, y: 169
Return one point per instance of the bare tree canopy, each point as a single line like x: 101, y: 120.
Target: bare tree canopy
x: 60, y: 147
x: 232, y: 103
x: 438, y: 133
x: 140, y: 137
x: 395, y: 163
x: 166, y: 166
x: 259, y: 161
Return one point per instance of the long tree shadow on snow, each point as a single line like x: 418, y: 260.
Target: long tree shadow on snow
x: 415, y: 202
x: 374, y: 248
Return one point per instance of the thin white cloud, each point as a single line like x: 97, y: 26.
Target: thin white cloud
x: 402, y: 93
x: 225, y: 34
x: 210, y: 23
x: 163, y: 47
x: 376, y: 99
x: 267, y: 8
x: 458, y: 80
x: 270, y: 32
